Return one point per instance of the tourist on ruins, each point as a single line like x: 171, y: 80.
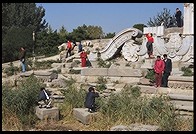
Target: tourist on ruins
x: 69, y: 48
x: 158, y: 69
x: 178, y: 16
x: 80, y: 47
x: 167, y: 70
x: 90, y: 100
x: 149, y: 46
x: 83, y: 56
x: 44, y: 96
x: 22, y: 58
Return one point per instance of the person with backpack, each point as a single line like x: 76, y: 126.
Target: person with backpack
x: 44, y: 96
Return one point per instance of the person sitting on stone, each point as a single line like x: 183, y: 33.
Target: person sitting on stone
x: 90, y: 100
x: 44, y: 96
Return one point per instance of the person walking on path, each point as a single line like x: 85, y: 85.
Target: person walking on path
x: 90, y: 100
x: 178, y: 16
x: 22, y: 58
x: 69, y: 48
x: 167, y: 70
x: 159, y: 67
x: 83, y: 56
x: 80, y: 47
x: 149, y: 46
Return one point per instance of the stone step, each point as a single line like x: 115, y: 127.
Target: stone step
x: 50, y: 113
x: 186, y: 108
x: 182, y: 103
x: 181, y: 78
x: 180, y: 97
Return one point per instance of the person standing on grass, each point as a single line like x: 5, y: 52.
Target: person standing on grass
x: 22, y: 58
x: 167, y: 70
x: 159, y: 67
x: 90, y: 100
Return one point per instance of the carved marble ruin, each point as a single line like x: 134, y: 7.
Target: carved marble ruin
x: 177, y: 44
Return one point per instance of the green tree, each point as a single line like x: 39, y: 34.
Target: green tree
x: 47, y: 42
x: 86, y: 33
x: 161, y: 16
x: 63, y: 34
x: 139, y: 26
x: 19, y: 20
x: 109, y: 35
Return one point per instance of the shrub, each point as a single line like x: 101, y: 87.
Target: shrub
x: 150, y: 75
x: 102, y: 63
x: 11, y: 70
x: 187, y: 71
x: 22, y: 100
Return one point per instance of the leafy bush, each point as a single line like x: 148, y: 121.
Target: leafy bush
x: 187, y: 71
x: 150, y: 75
x: 22, y: 100
x: 102, y: 63
x: 11, y: 70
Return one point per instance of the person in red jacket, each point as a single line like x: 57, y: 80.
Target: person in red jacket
x: 69, y: 48
x: 83, y: 56
x: 149, y: 46
x: 158, y: 68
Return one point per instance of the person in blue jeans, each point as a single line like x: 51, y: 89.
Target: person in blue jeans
x: 22, y: 58
x: 80, y: 47
x: 90, y: 100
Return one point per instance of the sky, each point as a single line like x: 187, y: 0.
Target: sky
x: 112, y: 17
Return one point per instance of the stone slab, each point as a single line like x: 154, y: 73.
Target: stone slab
x: 42, y: 73
x: 51, y: 113
x: 182, y: 103
x: 180, y: 97
x: 149, y: 63
x: 181, y: 78
x: 123, y: 72
x: 94, y: 72
x: 83, y: 115
x: 186, y: 108
x: 26, y: 74
x: 148, y: 89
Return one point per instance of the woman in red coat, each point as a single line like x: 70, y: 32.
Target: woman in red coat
x: 159, y: 67
x: 83, y: 56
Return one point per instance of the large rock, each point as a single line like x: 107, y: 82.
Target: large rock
x: 83, y: 115
x: 50, y: 113
x: 94, y: 72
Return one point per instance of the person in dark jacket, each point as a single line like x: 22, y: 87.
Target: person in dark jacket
x: 44, y: 96
x: 178, y: 16
x: 167, y: 70
x: 80, y: 47
x: 90, y: 100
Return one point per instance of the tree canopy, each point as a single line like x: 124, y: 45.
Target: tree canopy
x: 19, y: 20
x: 163, y: 16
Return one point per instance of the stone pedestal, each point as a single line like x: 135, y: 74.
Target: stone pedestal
x: 83, y: 115
x: 51, y: 113
x: 148, y: 64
